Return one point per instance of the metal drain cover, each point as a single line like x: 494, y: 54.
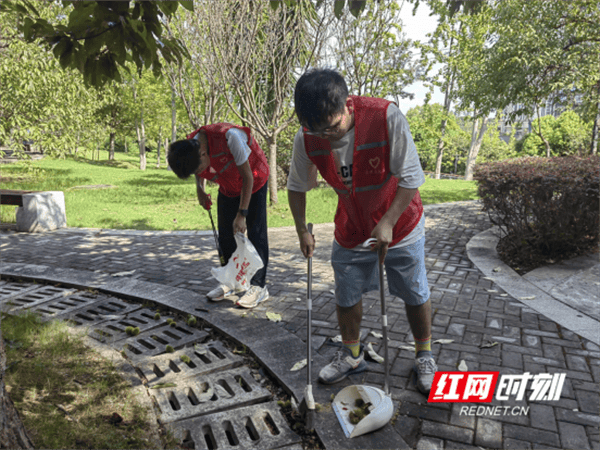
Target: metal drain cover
x: 203, y: 359
x: 98, y: 312
x: 208, y: 394
x: 114, y: 330
x: 257, y: 426
x: 26, y: 300
x: 14, y: 289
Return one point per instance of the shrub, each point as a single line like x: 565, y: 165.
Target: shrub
x: 547, y: 208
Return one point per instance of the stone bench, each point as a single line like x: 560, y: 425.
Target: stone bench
x: 37, y: 211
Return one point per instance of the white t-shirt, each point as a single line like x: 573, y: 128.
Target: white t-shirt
x: 237, y: 142
x: 404, y: 163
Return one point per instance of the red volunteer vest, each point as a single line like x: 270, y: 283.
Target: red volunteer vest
x: 222, y: 169
x: 373, y: 186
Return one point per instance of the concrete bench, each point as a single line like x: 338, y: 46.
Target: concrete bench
x: 37, y: 211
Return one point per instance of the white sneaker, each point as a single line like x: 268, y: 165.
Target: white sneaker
x: 253, y: 297
x: 221, y: 292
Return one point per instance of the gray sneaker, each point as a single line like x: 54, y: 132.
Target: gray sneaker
x: 423, y: 373
x: 342, y: 365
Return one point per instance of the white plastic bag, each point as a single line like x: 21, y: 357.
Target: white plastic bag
x: 241, y: 267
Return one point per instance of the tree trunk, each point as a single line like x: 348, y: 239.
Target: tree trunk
x: 272, y: 143
x: 440, y: 151
x: 142, y: 140
x: 596, y: 129
x: 476, y: 141
x: 158, y: 144
x: 166, y: 151
x: 12, y: 430
x: 173, y: 118
x: 111, y: 151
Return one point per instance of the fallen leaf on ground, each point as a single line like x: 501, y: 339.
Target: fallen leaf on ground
x: 299, y: 365
x: 443, y: 341
x: 406, y: 347
x: 376, y: 334
x: 463, y: 366
x: 531, y: 297
x: 488, y: 344
x: 497, y: 269
x: 337, y: 338
x: 123, y: 274
x: 373, y: 354
x: 273, y: 317
x: 163, y: 385
x: 222, y: 392
x: 491, y: 291
x: 206, y: 396
x: 503, y: 295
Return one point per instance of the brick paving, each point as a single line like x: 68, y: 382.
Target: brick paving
x: 468, y: 309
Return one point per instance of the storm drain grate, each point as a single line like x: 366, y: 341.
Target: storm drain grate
x: 144, y: 319
x: 98, y: 312
x: 14, y: 289
x: 67, y: 305
x: 35, y: 297
x: 201, y: 359
x: 208, y: 394
x: 154, y: 342
x: 257, y: 426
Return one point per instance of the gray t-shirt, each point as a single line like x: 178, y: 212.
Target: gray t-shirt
x: 237, y: 142
x: 404, y: 163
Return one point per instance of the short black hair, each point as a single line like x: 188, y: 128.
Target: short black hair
x: 319, y: 94
x: 184, y: 157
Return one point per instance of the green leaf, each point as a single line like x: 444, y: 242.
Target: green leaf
x: 187, y: 4
x: 338, y: 8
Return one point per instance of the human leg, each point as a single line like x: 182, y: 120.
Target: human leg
x: 256, y: 224
x: 407, y: 279
x: 353, y: 275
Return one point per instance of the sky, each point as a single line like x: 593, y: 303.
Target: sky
x: 416, y: 27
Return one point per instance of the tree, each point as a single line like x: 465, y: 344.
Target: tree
x: 535, y: 51
x: 100, y: 38
x: 255, y: 51
x: 371, y: 52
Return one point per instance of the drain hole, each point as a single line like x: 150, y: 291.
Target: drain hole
x: 217, y: 353
x: 271, y: 424
x: 147, y: 315
x: 211, y: 443
x: 230, y: 433
x: 245, y: 386
x: 174, y: 403
x: 60, y: 308
x: 135, y: 319
x: 192, y: 397
x: 116, y: 307
x: 171, y: 335
x: 146, y: 344
x: 225, y: 386
x: 159, y: 373
x: 81, y: 316
x: 251, y: 429
x: 190, y: 363
x: 203, y: 357
x: 132, y: 349
x: 174, y: 367
x: 187, y: 441
x: 159, y: 339
x: 112, y: 327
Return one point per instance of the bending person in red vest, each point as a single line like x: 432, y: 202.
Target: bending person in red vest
x: 364, y: 150
x: 230, y: 156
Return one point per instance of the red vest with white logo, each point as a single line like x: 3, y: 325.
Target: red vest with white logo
x: 373, y: 186
x: 222, y: 169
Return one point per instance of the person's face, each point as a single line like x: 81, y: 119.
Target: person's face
x: 335, y: 128
x: 204, y: 158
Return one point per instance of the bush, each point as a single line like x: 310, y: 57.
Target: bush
x: 547, y: 208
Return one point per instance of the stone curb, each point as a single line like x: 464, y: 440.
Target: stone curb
x: 481, y: 250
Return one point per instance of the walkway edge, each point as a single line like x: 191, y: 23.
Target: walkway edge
x: 481, y: 250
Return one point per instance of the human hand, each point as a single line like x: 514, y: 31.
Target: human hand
x: 204, y: 200
x: 307, y: 243
x: 383, y: 234
x: 239, y: 224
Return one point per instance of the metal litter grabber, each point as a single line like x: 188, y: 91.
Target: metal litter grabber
x: 307, y: 407
x: 378, y: 402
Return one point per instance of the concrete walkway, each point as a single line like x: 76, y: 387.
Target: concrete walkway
x: 485, y: 321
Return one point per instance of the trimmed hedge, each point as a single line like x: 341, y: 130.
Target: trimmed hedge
x: 547, y: 208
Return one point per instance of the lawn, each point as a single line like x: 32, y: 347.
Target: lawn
x: 116, y: 194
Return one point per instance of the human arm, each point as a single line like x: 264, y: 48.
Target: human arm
x: 239, y: 223
x: 297, y: 201
x: 203, y: 197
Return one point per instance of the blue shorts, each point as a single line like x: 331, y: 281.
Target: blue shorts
x: 357, y: 272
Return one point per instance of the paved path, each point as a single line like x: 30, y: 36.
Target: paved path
x: 470, y: 309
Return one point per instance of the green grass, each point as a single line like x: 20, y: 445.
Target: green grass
x: 155, y: 199
x: 65, y: 392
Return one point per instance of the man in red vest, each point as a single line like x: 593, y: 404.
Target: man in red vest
x: 230, y: 156
x: 364, y: 150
